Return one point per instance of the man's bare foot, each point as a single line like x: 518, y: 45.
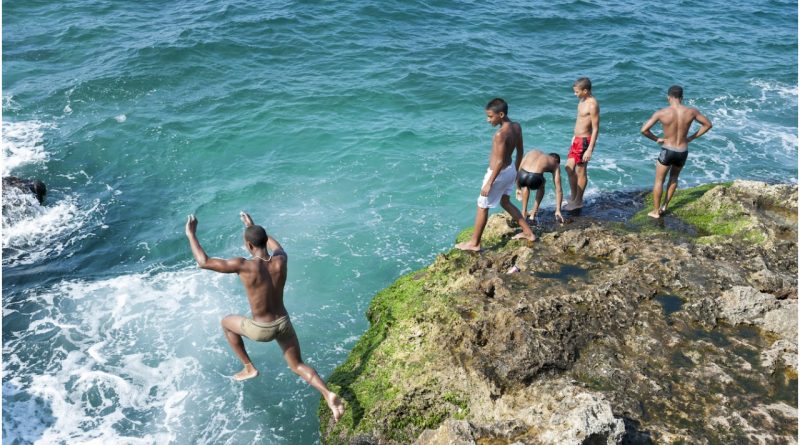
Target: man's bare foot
x: 573, y: 206
x: 513, y: 269
x: 336, y: 405
x: 654, y: 214
x: 522, y: 235
x: 248, y: 372
x: 466, y: 245
x: 662, y: 210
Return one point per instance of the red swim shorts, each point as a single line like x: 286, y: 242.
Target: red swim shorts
x: 579, y: 146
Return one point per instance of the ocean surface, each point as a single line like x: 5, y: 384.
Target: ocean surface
x: 353, y: 131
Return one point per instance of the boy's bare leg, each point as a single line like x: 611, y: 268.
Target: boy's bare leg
x: 291, y: 353
x: 580, y: 182
x: 526, y: 194
x: 672, y: 185
x: 232, y: 326
x: 527, y: 233
x: 539, y: 197
x: 573, y: 181
x: 474, y: 244
x: 661, y: 173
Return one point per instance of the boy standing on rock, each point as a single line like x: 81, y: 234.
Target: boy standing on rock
x: 676, y: 120
x: 498, y: 183
x: 263, y: 276
x: 587, y: 126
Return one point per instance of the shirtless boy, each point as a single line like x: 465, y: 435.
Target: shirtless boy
x: 498, y: 183
x: 263, y: 276
x: 676, y: 120
x: 531, y: 177
x: 587, y: 125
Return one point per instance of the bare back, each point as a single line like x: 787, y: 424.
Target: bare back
x: 263, y: 281
x: 676, y: 121
x: 536, y: 161
x: 506, y: 140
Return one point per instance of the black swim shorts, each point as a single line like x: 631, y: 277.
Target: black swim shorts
x: 671, y: 157
x: 531, y: 180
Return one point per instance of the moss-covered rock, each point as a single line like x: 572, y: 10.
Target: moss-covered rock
x: 741, y: 210
x: 608, y: 332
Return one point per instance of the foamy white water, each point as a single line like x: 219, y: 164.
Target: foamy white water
x: 22, y: 144
x: 134, y: 350
x: 32, y: 231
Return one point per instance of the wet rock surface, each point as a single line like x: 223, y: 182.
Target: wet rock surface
x: 612, y: 331
x: 33, y: 187
x: 22, y: 199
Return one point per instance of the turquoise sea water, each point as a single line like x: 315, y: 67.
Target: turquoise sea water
x: 354, y: 131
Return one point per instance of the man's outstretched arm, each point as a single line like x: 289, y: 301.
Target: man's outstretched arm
x: 232, y: 265
x: 273, y: 245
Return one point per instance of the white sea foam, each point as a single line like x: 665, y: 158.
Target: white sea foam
x: 22, y: 144
x: 125, y: 358
x: 9, y: 104
x: 745, y: 129
x: 32, y: 232
x: 784, y: 91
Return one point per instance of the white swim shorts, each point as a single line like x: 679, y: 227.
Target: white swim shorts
x: 504, y: 184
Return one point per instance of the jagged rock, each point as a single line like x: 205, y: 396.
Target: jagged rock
x: 499, y: 227
x: 451, y: 432
x: 33, y: 186
x: 745, y: 305
x: 619, y: 332
x: 585, y: 419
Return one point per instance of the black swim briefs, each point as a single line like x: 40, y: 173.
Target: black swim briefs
x: 671, y: 157
x: 531, y: 180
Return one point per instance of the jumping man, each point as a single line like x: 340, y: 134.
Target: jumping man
x: 263, y: 276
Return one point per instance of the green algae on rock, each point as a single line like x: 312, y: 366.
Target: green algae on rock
x: 731, y: 209
x: 578, y: 347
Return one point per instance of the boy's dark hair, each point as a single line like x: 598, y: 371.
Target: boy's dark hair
x: 256, y: 235
x: 583, y: 83
x: 497, y: 105
x: 675, y: 91
x: 556, y: 157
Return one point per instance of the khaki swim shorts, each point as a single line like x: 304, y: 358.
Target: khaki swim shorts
x: 258, y: 331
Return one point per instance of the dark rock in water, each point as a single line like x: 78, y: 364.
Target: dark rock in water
x: 34, y: 186
x: 616, y: 329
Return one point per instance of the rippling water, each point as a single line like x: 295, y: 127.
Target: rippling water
x: 353, y: 131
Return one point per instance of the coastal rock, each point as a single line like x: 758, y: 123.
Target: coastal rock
x: 22, y: 199
x: 582, y: 418
x: 451, y: 432
x: 32, y: 186
x: 745, y: 305
x: 627, y: 331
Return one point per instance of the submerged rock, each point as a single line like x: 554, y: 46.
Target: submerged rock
x: 622, y: 331
x: 22, y: 199
x: 33, y: 186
